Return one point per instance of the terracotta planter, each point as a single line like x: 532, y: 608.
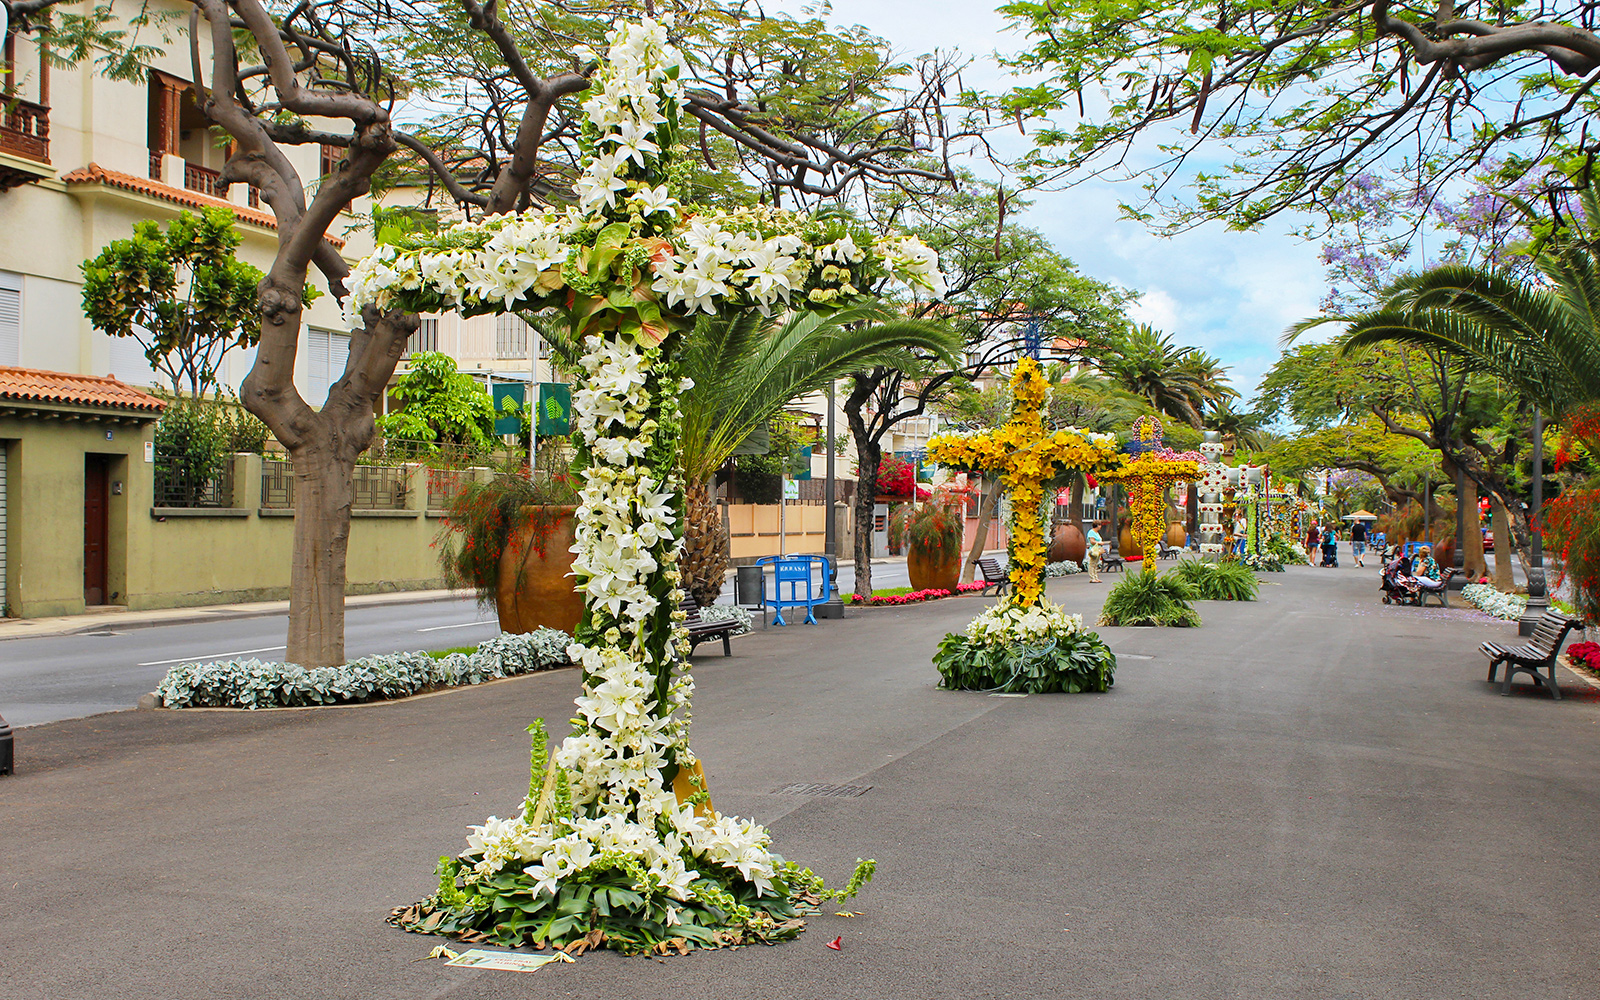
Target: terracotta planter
x: 1176, y: 535
x: 535, y: 590
x: 1127, y: 548
x: 927, y: 573
x: 1069, y: 544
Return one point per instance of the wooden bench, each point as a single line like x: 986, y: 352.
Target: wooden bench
x: 1165, y: 551
x: 1539, y: 653
x: 699, y: 631
x: 1109, y: 562
x: 993, y: 576
x: 1442, y: 594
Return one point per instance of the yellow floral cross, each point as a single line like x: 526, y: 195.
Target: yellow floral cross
x: 1025, y: 456
x: 1146, y: 477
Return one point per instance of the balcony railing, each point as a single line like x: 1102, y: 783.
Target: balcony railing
x: 24, y: 129
x: 201, y: 179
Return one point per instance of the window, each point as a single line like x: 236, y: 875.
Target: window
x: 425, y: 339
x: 510, y: 336
x: 10, y: 319
x: 327, y: 352
x: 128, y: 363
x: 329, y: 160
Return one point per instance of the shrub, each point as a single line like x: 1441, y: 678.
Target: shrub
x: 1150, y: 599
x: 1228, y: 580
x: 479, y: 522
x: 936, y: 531
x: 1063, y: 568
x: 258, y: 684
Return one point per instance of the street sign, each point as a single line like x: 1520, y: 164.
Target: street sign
x: 791, y: 489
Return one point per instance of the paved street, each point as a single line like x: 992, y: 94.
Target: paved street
x: 50, y: 678
x: 1313, y: 796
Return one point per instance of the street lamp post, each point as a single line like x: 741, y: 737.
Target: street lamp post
x: 834, y: 608
x: 1537, y: 594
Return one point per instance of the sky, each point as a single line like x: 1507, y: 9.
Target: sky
x: 1231, y: 293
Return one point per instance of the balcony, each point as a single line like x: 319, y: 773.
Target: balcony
x: 24, y: 129
x: 201, y: 179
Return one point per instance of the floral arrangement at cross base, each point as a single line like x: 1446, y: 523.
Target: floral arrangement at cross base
x: 1026, y: 643
x: 1036, y: 650
x: 616, y: 843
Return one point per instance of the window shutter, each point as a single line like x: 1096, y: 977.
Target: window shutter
x: 10, y: 319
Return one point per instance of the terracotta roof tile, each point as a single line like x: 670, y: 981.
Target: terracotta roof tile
x: 34, y: 385
x: 94, y: 173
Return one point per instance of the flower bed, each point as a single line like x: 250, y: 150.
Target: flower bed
x: 1032, y: 650
x: 1065, y: 567
x: 1492, y: 602
x: 1263, y: 562
x: 911, y: 596
x: 718, y: 613
x: 1585, y: 654
x: 257, y: 684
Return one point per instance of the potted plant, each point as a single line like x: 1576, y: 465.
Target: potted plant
x: 510, y: 540
x: 933, y: 554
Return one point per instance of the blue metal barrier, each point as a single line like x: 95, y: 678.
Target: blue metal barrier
x: 795, y: 572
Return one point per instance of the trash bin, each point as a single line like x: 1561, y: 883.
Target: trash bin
x: 748, y: 586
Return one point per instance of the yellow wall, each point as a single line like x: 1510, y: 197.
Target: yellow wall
x: 162, y: 557
x: 753, y: 530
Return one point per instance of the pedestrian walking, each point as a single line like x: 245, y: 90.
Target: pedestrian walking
x: 1358, y: 541
x: 1097, y: 549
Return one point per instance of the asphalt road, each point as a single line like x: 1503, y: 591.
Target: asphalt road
x: 51, y: 678
x: 1313, y: 797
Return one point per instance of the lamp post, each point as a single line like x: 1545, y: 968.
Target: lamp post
x: 1537, y: 595
x: 1460, y: 556
x: 834, y: 608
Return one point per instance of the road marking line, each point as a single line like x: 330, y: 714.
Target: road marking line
x: 435, y: 628
x: 204, y: 657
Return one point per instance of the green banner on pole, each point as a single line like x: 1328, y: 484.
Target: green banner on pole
x: 508, y: 421
x: 800, y: 463
x: 555, y: 409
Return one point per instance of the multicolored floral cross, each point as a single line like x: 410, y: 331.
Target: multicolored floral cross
x: 1025, y: 456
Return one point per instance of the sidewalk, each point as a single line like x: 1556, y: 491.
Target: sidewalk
x: 121, y: 618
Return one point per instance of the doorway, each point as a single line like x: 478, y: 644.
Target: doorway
x: 96, y: 528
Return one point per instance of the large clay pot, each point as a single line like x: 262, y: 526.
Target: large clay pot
x: 1069, y: 544
x: 535, y: 590
x: 1127, y: 548
x: 928, y: 573
x: 1176, y: 536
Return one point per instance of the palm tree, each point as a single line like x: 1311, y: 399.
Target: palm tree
x: 745, y: 369
x: 1178, y: 381
x: 1246, y: 429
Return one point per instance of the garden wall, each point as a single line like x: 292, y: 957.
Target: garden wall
x: 242, y: 552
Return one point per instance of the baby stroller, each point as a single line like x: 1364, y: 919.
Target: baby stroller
x: 1330, y: 554
x: 1400, y: 590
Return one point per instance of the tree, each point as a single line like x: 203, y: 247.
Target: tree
x: 1179, y: 382
x: 1420, y: 394
x: 327, y: 72
x: 745, y: 369
x: 1239, y: 429
x: 1308, y: 97
x: 440, y: 404
x: 182, y: 294
x: 1008, y: 293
